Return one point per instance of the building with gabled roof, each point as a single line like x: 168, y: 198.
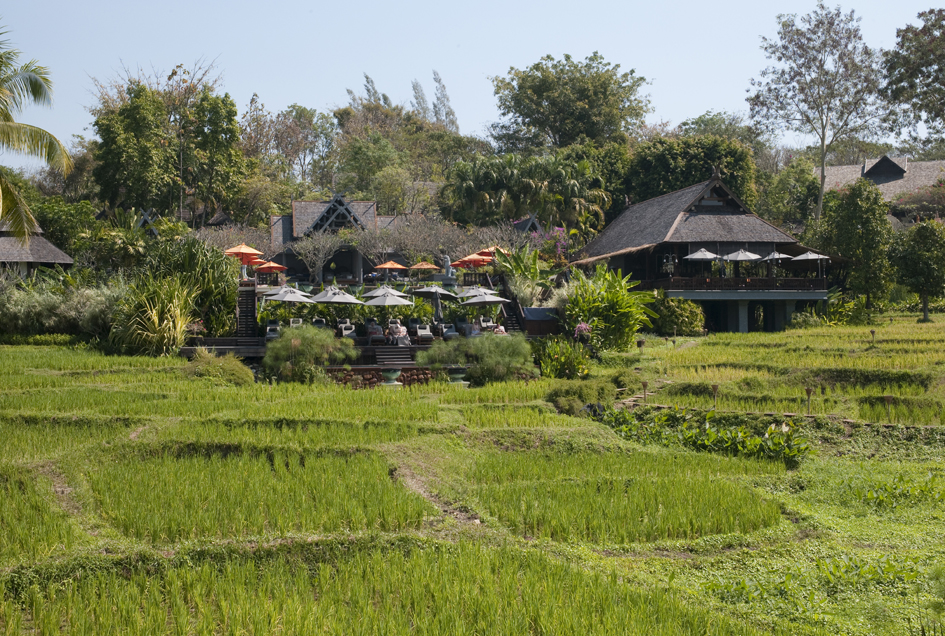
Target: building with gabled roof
x: 24, y: 258
x: 652, y: 239
x: 326, y: 216
x: 894, y: 176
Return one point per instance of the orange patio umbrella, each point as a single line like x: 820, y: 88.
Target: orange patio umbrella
x: 389, y: 265
x: 270, y: 266
x: 489, y: 252
x: 473, y: 260
x: 256, y: 262
x: 424, y: 265
x: 244, y: 253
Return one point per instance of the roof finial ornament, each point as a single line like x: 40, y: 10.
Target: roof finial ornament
x: 716, y: 173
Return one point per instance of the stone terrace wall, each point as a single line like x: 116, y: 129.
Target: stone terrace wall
x: 369, y: 377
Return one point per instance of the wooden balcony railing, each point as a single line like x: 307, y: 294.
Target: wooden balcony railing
x: 762, y: 283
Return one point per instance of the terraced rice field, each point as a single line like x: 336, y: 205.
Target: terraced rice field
x: 136, y: 500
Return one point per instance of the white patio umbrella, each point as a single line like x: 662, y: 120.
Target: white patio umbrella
x: 385, y: 289
x: 775, y: 256
x: 290, y: 295
x: 701, y: 255
x: 741, y: 255
x: 285, y: 288
x: 437, y: 294
x: 812, y: 256
x: 485, y: 299
x: 325, y: 292
x: 475, y: 290
x: 389, y: 300
x: 338, y: 297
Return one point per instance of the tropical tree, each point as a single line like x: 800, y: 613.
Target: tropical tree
x: 665, y: 165
x: 855, y: 227
x: 20, y: 85
x: 919, y: 256
x: 564, y: 101
x: 915, y: 71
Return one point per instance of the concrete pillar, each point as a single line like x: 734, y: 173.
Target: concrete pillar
x: 788, y: 310
x: 743, y: 316
x: 731, y: 316
x: 779, y: 319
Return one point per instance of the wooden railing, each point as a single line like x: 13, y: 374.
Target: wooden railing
x: 718, y: 284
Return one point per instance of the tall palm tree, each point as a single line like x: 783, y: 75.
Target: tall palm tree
x: 21, y: 85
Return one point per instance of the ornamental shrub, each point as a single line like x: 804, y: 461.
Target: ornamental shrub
x: 499, y: 358
x: 153, y: 316
x: 228, y: 369
x: 559, y: 357
x: 604, y: 301
x: 571, y: 396
x: 300, y: 354
x: 677, y: 316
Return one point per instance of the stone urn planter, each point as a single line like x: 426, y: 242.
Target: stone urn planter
x: 456, y: 374
x: 390, y: 376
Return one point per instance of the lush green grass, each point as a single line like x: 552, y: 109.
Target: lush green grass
x: 496, y: 416
x: 462, y: 589
x: 31, y: 526
x: 30, y: 438
x: 622, y: 497
x: 155, y: 471
x: 173, y: 497
x: 300, y: 434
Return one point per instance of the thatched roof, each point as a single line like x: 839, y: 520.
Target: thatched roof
x: 894, y: 176
x: 706, y: 212
x: 38, y: 251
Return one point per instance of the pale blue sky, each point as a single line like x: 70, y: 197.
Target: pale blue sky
x: 696, y: 55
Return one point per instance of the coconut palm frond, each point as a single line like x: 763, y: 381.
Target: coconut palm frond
x: 28, y: 84
x: 15, y: 213
x: 35, y: 142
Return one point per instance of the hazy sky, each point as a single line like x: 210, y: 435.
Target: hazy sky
x: 696, y: 55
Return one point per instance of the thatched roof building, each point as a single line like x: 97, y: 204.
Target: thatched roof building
x: 25, y: 257
x: 894, y: 176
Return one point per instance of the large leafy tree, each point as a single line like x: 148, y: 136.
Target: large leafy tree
x: 134, y: 159
x: 218, y: 164
x: 562, y: 102
x: 825, y: 82
x: 915, y: 71
x: 854, y: 226
x: 919, y: 256
x: 666, y: 165
x: 21, y: 85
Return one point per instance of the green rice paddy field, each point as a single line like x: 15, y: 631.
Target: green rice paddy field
x: 137, y: 500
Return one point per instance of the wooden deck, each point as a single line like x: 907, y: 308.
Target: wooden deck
x: 256, y: 348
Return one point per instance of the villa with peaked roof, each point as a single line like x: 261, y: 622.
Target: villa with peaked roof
x: 326, y: 216
x: 25, y: 258
x: 652, y: 239
x: 894, y: 176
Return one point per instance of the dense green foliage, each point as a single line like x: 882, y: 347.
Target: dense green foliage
x: 300, y: 354
x: 604, y: 303
x: 226, y: 369
x: 561, y: 102
x: 919, y: 255
x: 152, y: 317
x: 666, y: 165
x: 915, y: 71
x: 560, y: 357
x: 677, y: 316
x: 854, y: 226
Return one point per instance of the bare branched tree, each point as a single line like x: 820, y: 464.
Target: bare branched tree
x: 316, y: 249
x: 826, y: 82
x: 228, y: 236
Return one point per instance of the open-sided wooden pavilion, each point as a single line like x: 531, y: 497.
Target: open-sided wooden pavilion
x: 651, y: 240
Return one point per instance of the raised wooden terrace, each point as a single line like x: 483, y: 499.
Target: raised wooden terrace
x: 256, y: 348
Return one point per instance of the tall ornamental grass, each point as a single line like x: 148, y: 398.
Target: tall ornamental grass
x: 152, y: 319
